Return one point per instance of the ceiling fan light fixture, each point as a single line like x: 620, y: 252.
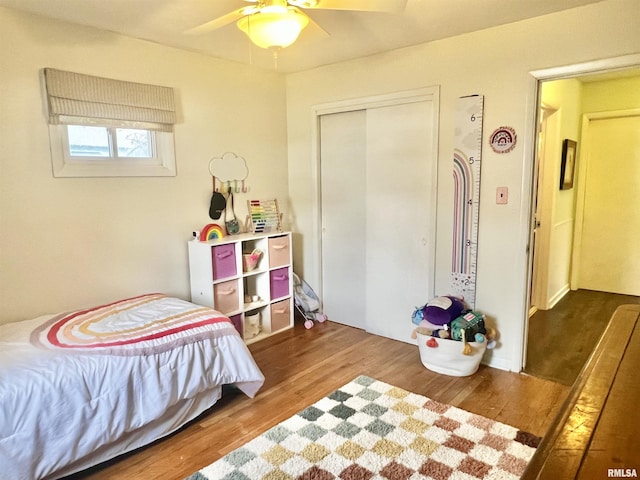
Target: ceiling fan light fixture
x: 274, y: 27
x: 304, y: 3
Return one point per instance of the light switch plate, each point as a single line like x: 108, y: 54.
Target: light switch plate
x: 502, y: 195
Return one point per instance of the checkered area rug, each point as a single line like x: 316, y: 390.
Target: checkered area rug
x: 369, y: 430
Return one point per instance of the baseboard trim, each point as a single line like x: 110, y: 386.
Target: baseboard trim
x: 558, y: 296
x: 499, y: 363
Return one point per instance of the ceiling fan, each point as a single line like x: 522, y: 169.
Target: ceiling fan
x: 277, y: 23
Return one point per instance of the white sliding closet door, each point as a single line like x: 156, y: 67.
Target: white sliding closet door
x: 343, y: 157
x: 399, y: 190
x: 378, y: 180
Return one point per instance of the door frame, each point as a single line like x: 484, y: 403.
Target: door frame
x: 529, y: 172
x: 431, y: 94
x: 543, y: 207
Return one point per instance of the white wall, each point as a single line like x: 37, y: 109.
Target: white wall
x: 69, y: 243
x: 496, y: 63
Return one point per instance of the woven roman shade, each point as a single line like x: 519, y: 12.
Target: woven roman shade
x: 77, y: 98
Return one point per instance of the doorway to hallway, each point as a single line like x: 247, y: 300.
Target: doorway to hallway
x: 554, y: 303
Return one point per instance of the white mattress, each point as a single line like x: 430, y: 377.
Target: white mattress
x: 65, y: 406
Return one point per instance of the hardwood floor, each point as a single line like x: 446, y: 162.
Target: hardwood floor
x: 561, y: 339
x: 301, y: 366
x: 599, y: 427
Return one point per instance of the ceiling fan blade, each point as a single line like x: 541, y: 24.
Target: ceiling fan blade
x: 316, y: 28
x: 385, y: 6
x: 222, y: 21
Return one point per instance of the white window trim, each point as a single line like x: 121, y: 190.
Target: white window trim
x: 162, y: 165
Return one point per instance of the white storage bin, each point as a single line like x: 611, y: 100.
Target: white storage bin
x: 252, y: 325
x: 447, y: 358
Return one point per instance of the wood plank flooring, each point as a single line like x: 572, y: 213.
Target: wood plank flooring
x: 599, y: 426
x: 561, y: 339
x: 301, y: 366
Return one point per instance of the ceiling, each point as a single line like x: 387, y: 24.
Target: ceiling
x: 346, y: 35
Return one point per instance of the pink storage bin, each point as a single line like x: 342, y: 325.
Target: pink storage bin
x: 279, y: 251
x: 280, y: 315
x: 279, y: 282
x: 225, y: 297
x: 224, y: 261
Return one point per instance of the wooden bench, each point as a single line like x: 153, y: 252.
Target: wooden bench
x: 596, y: 434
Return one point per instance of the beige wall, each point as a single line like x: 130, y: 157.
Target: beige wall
x: 71, y: 242
x: 496, y: 63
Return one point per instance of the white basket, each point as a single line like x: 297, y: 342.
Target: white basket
x: 252, y: 326
x: 447, y: 358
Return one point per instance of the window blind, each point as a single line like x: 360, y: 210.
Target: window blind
x: 78, y: 98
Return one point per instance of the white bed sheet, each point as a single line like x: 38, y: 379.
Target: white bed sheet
x: 61, y: 412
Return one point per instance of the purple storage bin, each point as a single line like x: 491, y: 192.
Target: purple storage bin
x: 224, y: 261
x: 237, y: 322
x: 279, y: 282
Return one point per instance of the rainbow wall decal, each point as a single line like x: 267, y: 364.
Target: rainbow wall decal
x: 211, y: 231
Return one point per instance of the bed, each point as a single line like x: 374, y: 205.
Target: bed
x: 79, y: 388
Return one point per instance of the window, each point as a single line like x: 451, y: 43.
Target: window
x: 106, y: 151
x: 102, y: 127
x: 121, y: 143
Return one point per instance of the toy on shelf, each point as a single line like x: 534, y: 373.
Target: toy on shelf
x: 250, y: 260
x: 211, y: 231
x: 264, y: 216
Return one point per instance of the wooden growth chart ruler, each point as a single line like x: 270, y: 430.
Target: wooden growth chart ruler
x: 467, y: 158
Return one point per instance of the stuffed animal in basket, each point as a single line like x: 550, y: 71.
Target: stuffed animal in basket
x: 445, y: 317
x: 442, y: 310
x: 470, y: 324
x: 436, y: 315
x: 439, y: 311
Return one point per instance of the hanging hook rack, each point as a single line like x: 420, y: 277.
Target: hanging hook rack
x: 229, y: 168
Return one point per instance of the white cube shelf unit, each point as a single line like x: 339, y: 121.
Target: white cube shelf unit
x: 219, y: 279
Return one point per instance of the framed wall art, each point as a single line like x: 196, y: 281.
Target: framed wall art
x: 568, y: 164
x: 503, y: 139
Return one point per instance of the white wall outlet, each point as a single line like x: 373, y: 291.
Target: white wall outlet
x: 502, y: 195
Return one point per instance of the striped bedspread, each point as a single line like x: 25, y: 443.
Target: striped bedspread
x: 140, y: 325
